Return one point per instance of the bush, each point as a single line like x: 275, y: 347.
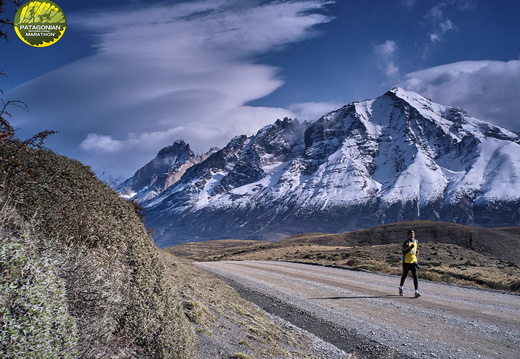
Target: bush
x: 95, y: 287
x: 515, y: 286
x: 35, y: 321
x: 107, y: 275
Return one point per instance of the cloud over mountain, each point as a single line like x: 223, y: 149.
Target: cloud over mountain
x: 486, y: 89
x: 398, y: 157
x: 167, y: 71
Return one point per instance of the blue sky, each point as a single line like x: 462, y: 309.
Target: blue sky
x: 130, y: 77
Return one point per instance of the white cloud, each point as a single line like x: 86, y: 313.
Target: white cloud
x: 166, y: 72
x: 487, y: 90
x: 386, y: 53
x: 101, y: 143
x: 441, y: 29
x: 311, y: 111
x: 440, y: 24
x: 408, y: 3
x: 465, y: 4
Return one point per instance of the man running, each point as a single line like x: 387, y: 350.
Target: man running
x: 410, y: 253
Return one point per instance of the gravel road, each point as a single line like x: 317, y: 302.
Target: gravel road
x: 362, y: 312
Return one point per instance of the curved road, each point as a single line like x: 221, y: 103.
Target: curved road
x: 445, y: 322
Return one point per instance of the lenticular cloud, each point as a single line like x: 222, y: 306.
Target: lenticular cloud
x: 170, y: 71
x: 486, y: 89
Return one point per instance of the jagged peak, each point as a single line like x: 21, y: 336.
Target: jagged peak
x: 411, y: 97
x: 405, y: 94
x: 425, y: 106
x: 287, y: 121
x: 178, y: 147
x: 237, y: 141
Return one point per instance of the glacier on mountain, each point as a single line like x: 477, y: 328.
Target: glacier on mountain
x: 397, y: 157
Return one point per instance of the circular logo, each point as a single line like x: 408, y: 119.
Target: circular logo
x: 40, y: 23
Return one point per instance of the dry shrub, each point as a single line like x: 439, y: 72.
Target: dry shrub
x: 34, y: 316
x: 112, y: 280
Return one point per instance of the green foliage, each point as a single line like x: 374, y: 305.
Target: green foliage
x: 110, y: 294
x: 35, y: 321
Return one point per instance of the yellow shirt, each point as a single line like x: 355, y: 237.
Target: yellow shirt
x: 411, y: 256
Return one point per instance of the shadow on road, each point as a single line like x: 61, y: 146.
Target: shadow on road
x: 366, y: 297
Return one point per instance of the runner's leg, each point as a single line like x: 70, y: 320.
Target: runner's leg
x: 406, y: 268
x: 413, y: 268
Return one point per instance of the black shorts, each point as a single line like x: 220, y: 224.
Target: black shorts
x: 410, y: 266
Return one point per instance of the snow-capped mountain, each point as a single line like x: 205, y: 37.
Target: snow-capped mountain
x: 396, y: 157
x: 160, y: 173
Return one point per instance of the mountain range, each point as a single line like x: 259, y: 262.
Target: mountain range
x: 397, y: 157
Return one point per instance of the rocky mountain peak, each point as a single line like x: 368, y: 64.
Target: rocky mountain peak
x: 160, y: 173
x: 178, y: 150
x: 397, y: 157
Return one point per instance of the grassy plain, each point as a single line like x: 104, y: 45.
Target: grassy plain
x: 449, y: 253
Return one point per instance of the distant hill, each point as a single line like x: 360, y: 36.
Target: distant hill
x: 448, y: 252
x: 499, y: 243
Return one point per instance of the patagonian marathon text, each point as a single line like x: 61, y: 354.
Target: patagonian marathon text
x: 40, y: 27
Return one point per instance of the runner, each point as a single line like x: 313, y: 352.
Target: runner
x: 410, y: 252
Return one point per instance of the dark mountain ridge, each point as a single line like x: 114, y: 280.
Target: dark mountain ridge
x: 164, y: 170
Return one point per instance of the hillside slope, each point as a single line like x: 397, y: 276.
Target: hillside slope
x: 81, y: 278
x: 79, y: 275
